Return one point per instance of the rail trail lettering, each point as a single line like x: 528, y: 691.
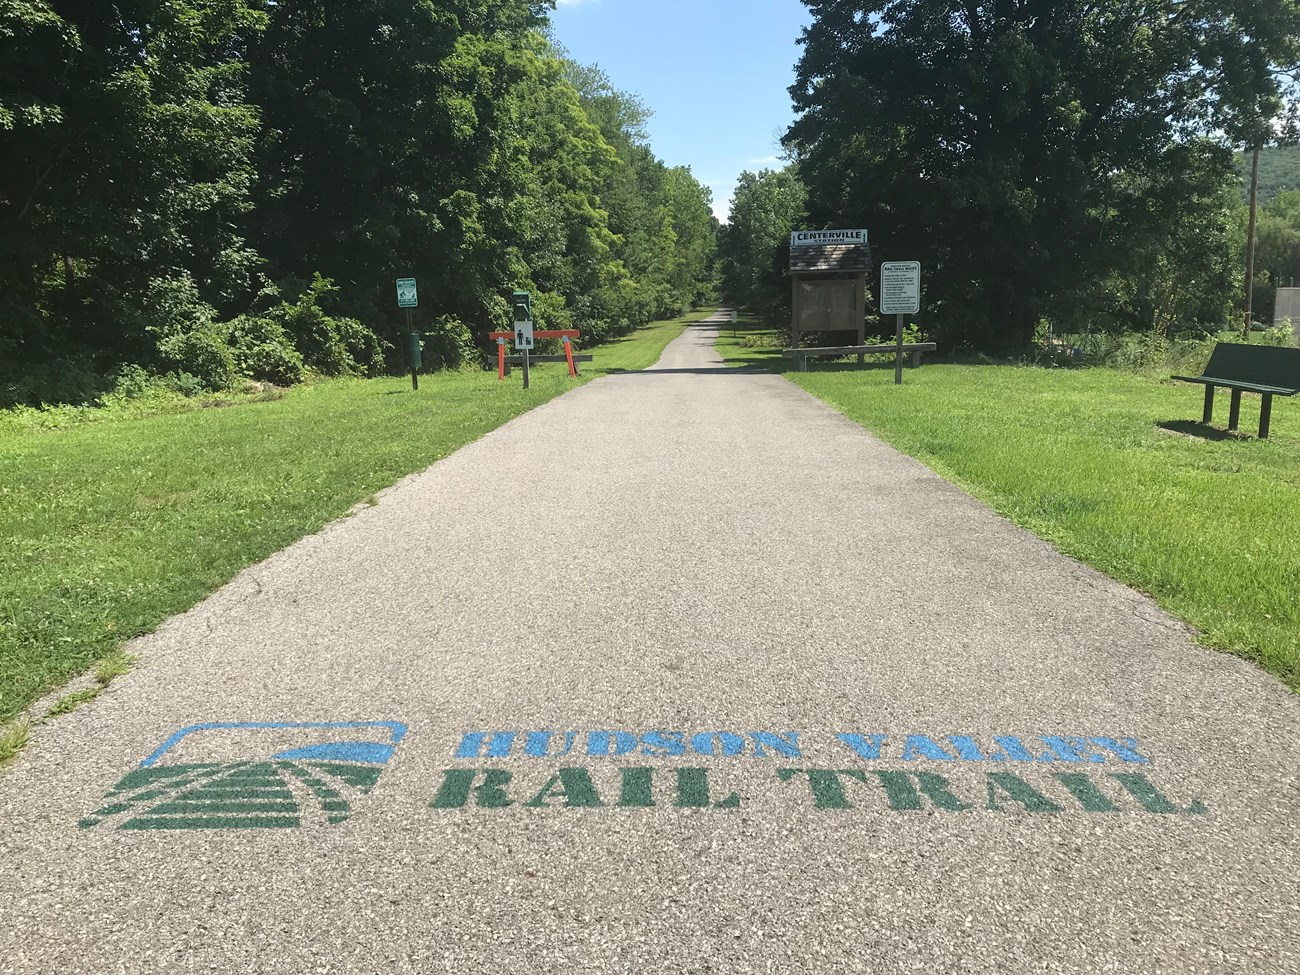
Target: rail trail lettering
x: 1053, y: 773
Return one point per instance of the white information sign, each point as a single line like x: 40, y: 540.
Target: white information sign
x: 900, y: 288
x: 523, y: 336
x: 811, y: 238
x: 407, y: 296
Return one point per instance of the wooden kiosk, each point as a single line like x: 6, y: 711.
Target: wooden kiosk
x: 829, y: 269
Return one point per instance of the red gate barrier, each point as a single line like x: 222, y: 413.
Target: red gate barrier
x: 566, y: 334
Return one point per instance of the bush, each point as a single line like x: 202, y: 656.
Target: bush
x: 73, y: 380
x: 133, y: 381
x: 263, y: 350
x: 184, y: 383
x: 203, y: 353
x: 362, y: 345
x: 1283, y: 333
x: 328, y: 345
x: 448, y: 344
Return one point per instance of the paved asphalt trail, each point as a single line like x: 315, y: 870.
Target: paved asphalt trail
x: 716, y: 557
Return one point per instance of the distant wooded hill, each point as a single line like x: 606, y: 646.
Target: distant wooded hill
x: 1279, y: 169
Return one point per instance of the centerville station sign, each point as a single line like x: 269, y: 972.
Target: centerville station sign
x: 816, y: 238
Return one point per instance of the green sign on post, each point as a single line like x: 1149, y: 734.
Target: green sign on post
x: 408, y: 297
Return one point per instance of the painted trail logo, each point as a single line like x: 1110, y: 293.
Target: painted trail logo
x: 252, y: 776
x: 268, y: 776
x: 1052, y: 773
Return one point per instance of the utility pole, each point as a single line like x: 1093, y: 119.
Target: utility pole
x: 1250, y: 247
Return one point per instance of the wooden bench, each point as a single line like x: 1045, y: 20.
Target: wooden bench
x: 1264, y: 369
x: 801, y: 356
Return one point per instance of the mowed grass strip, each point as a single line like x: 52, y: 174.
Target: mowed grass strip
x: 109, y: 527
x: 1106, y: 466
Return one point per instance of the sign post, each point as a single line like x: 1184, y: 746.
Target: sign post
x: 408, y: 297
x: 900, y: 294
x: 523, y: 314
x: 733, y: 323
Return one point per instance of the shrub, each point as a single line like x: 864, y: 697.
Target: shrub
x: 448, y: 344
x: 1282, y: 333
x: 72, y: 380
x: 171, y: 306
x: 184, y: 383
x: 132, y: 381
x: 329, y: 345
x: 263, y: 350
x: 363, y: 345
x: 203, y: 353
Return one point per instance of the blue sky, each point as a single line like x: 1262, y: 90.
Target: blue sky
x: 713, y: 72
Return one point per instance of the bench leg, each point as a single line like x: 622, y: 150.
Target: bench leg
x: 803, y: 363
x: 1265, y: 414
x: 1208, y: 415
x: 916, y: 360
x: 1234, y: 412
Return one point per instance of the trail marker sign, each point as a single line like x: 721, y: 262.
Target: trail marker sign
x: 407, y: 294
x: 900, y: 288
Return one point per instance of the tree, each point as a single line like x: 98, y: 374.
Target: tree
x: 1279, y: 239
x: 229, y: 187
x: 754, y: 247
x: 662, y: 219
x: 125, y: 142
x: 386, y: 123
x: 1025, y: 150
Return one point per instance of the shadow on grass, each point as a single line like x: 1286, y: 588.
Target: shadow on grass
x: 852, y: 366
x: 760, y: 360
x: 1191, y: 428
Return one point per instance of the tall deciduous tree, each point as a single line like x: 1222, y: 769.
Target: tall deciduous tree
x: 386, y: 126
x: 125, y: 143
x: 754, y: 246
x: 1025, y: 150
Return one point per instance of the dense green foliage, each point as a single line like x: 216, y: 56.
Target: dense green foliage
x: 1277, y: 250
x: 1279, y: 169
x: 1065, y: 160
x: 226, y: 189
x: 753, y: 248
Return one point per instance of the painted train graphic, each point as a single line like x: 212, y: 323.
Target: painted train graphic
x: 252, y: 775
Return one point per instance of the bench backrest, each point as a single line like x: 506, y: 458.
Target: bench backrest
x: 1263, y: 365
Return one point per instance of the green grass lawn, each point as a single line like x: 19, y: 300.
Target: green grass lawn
x: 1106, y: 465
x: 113, y: 523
